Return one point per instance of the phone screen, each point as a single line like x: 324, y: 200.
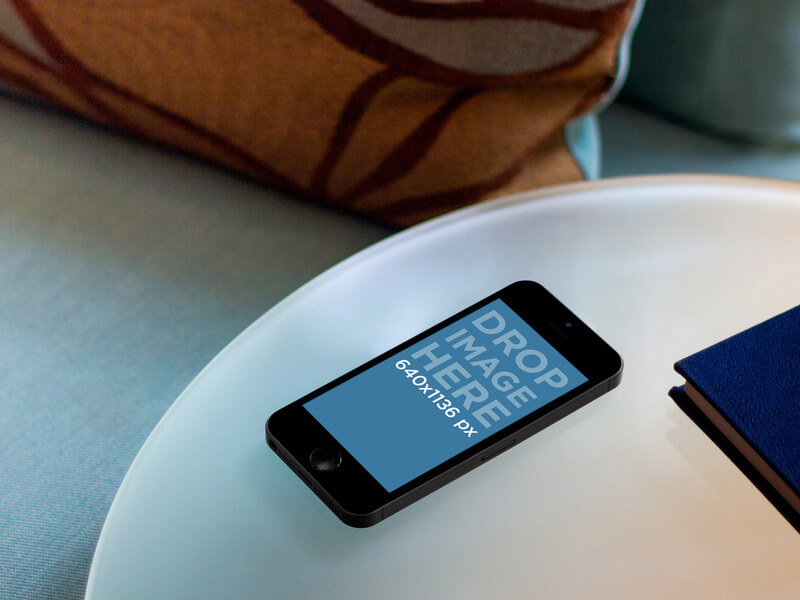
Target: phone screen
x: 436, y: 398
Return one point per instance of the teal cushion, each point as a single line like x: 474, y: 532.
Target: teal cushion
x: 732, y: 66
x: 125, y: 270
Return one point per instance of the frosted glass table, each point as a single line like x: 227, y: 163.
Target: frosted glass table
x: 625, y: 498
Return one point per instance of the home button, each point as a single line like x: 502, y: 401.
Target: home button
x: 325, y: 458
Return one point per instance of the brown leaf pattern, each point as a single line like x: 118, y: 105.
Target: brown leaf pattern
x: 398, y: 109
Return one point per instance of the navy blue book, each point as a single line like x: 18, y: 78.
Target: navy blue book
x: 744, y: 393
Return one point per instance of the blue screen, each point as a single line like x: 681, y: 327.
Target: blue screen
x: 425, y: 404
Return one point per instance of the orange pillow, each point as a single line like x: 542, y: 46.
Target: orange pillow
x: 398, y: 109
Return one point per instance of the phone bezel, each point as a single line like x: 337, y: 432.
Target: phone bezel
x: 357, y: 498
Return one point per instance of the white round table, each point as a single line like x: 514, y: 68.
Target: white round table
x: 625, y: 498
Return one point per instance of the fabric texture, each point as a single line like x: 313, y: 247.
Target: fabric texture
x: 730, y: 66
x: 125, y: 270
x: 399, y: 110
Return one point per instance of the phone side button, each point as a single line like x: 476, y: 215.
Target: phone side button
x: 499, y: 451
x: 325, y: 458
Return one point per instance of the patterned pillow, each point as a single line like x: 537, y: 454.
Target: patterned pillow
x: 398, y: 109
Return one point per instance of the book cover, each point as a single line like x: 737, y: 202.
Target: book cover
x: 744, y: 393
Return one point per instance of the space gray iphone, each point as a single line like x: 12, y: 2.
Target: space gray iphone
x: 440, y: 404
